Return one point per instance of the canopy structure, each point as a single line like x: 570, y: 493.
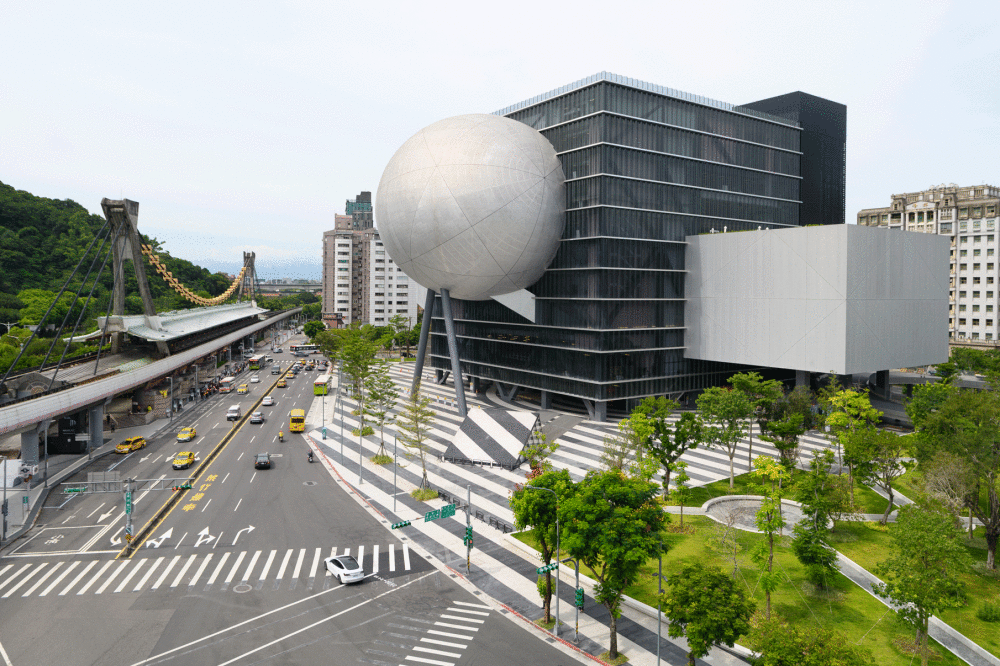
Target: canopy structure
x: 494, y: 437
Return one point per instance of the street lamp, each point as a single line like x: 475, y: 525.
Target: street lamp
x: 558, y: 551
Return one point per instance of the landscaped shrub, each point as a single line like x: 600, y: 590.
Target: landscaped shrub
x: 989, y: 612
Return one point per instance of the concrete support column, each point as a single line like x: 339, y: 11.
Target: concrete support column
x: 601, y: 410
x: 29, y: 446
x: 546, y: 400
x: 882, y: 387
x: 425, y: 329
x: 908, y: 389
x: 95, y: 426
x: 477, y: 385
x: 802, y: 378
x: 456, y: 364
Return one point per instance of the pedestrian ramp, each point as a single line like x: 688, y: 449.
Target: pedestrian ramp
x: 240, y: 571
x: 493, y: 437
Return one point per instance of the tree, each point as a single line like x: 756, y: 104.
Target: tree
x: 537, y: 451
x: 311, y: 328
x: 414, y: 424
x: 681, y: 491
x: 880, y: 461
x: 724, y: 410
x: 706, y: 607
x: 537, y: 509
x: 818, y: 493
x: 781, y: 644
x: 612, y: 524
x: 401, y: 330
x: 357, y: 356
x: 382, y: 395
x: 851, y: 414
x: 967, y: 424
x: 670, y: 442
x: 768, y: 520
x: 761, y: 393
x: 950, y: 481
x: 922, y: 573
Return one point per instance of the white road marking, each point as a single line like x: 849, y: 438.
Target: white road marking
x: 201, y: 569
x: 238, y: 504
x: 41, y: 580
x: 215, y: 574
x: 6, y: 659
x: 284, y: 563
x: 375, y: 558
x: 148, y: 574
x: 79, y: 576
x: 470, y: 612
x: 179, y: 542
x: 72, y: 565
x: 315, y: 564
x: 361, y: 556
x: 166, y: 572
x: 253, y: 561
x: 450, y: 634
x: 466, y: 603
x: 5, y: 569
x: 253, y: 477
x: 445, y: 643
x: 180, y: 574
x: 463, y: 619
x: 138, y: 565
x: 227, y: 475
x: 392, y: 557
x: 114, y: 574
x: 267, y: 564
x: 206, y: 505
x: 298, y: 564
x: 236, y: 565
x: 406, y: 557
x: 456, y: 626
x: 237, y: 460
x: 429, y: 661
x: 454, y: 655
x: 94, y: 579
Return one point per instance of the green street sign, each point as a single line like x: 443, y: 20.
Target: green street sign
x: 432, y: 515
x: 448, y: 511
x: 128, y: 502
x: 75, y: 490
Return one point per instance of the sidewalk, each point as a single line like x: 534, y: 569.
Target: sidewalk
x: 61, y: 467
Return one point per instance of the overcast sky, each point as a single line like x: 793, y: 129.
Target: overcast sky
x: 246, y: 125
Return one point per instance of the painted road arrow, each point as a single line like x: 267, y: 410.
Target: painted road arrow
x: 203, y: 537
x: 105, y: 515
x: 155, y: 543
x: 245, y: 529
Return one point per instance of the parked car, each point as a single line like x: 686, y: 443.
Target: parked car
x: 186, y: 434
x: 183, y: 460
x: 345, y: 568
x: 262, y: 461
x: 131, y: 444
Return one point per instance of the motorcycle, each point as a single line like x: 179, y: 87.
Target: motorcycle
x: 311, y: 458
x: 281, y: 436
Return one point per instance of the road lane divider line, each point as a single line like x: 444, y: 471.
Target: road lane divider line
x: 206, y: 505
x: 148, y: 574
x: 96, y: 510
x: 66, y: 572
x: 77, y: 579
x: 326, y: 619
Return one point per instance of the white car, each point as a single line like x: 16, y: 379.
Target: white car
x: 255, y: 380
x: 345, y: 568
x: 267, y: 401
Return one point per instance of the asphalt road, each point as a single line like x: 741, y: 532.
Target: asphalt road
x: 234, y: 573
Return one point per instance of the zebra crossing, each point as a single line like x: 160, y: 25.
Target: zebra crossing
x: 289, y: 569
x: 439, y: 640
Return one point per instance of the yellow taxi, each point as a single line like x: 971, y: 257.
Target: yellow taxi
x: 281, y: 383
x: 131, y: 444
x: 244, y: 388
x: 186, y: 434
x: 184, y: 459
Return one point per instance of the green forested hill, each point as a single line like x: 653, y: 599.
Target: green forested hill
x: 41, y: 242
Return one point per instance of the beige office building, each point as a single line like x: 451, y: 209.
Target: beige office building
x: 969, y: 216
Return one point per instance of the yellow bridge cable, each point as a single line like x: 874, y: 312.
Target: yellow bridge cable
x: 169, y: 278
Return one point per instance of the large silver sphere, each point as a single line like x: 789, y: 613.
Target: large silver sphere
x: 473, y: 204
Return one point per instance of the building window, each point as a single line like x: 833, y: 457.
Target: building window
x: 962, y: 280
x: 989, y: 279
x: 975, y: 280
x: 962, y: 294
x: 961, y: 321
x: 975, y: 336
x: 961, y: 308
x: 964, y: 253
x: 975, y: 308
x: 975, y: 267
x: 976, y: 252
x: 975, y: 294
x: 963, y: 213
x: 946, y: 228
x: 989, y: 322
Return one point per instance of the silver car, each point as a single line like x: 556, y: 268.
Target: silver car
x: 345, y: 568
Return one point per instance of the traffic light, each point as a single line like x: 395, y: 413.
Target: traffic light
x: 402, y: 523
x: 579, y: 598
x: 468, y: 536
x: 547, y: 567
x: 183, y: 486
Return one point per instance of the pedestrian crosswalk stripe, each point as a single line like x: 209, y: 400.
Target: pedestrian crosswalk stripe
x: 126, y: 579
x: 420, y: 648
x: 375, y: 559
x: 435, y: 662
x: 10, y: 579
x: 284, y: 563
x: 445, y: 643
x: 236, y: 565
x: 470, y: 612
x: 78, y: 578
x: 450, y: 634
x: 201, y: 570
x: 267, y: 564
x: 97, y: 576
x: 147, y: 575
x: 218, y: 568
x: 456, y: 626
x: 406, y: 557
x: 41, y: 580
x: 253, y: 561
x: 471, y: 605
x: 315, y: 564
x: 166, y: 572
x: 72, y: 565
x: 463, y: 619
x: 392, y: 557
x: 184, y: 569
x: 298, y: 563
x: 111, y: 578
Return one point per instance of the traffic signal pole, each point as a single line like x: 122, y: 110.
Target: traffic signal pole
x: 468, y: 529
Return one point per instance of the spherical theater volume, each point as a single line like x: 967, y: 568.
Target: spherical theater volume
x: 473, y: 204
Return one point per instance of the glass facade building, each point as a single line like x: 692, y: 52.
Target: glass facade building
x: 645, y: 167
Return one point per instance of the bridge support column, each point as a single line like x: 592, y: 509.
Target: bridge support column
x: 95, y: 427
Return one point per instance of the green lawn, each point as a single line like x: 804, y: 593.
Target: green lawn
x: 866, y: 499
x: 868, y: 547
x: 847, y: 608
